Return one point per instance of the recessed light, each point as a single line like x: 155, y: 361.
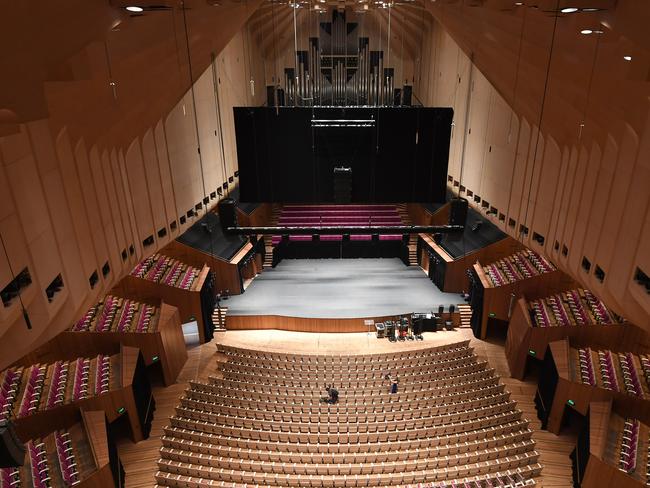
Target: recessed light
x: 586, y: 31
x: 590, y: 9
x: 519, y: 4
x: 569, y: 10
x: 133, y: 8
x: 627, y: 58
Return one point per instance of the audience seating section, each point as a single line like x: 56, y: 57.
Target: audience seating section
x: 62, y: 458
x: 167, y: 271
x: 259, y: 420
x: 116, y: 314
x: 618, y: 372
x: 522, y: 265
x: 628, y: 447
x: 569, y: 308
x: 26, y: 391
x: 337, y: 216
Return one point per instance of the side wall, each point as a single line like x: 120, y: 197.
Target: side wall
x: 75, y: 210
x: 577, y: 189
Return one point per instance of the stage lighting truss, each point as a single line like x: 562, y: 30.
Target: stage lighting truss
x: 342, y: 122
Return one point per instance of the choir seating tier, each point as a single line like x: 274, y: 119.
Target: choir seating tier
x: 574, y: 375
x: 195, y: 301
x: 37, y: 395
x: 535, y: 323
x: 612, y: 450
x: 160, y: 338
x: 77, y: 455
x: 337, y: 245
x: 260, y: 420
x: 492, y: 300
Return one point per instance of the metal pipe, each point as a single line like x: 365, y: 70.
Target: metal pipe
x: 329, y: 230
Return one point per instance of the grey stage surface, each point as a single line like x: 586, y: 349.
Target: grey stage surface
x: 340, y: 288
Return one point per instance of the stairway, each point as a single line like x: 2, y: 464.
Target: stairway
x: 276, y: 210
x: 413, y: 238
x: 403, y: 213
x: 413, y: 250
x: 465, y: 315
x: 219, y: 318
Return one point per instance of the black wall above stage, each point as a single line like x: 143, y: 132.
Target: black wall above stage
x: 400, y: 155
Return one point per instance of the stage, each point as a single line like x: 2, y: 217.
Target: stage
x: 341, y: 291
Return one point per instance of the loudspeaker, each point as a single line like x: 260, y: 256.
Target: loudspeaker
x: 12, y: 450
x: 227, y: 214
x: 270, y: 96
x: 458, y: 211
x: 407, y: 93
x: 397, y: 96
x: 280, y: 97
x: 342, y: 185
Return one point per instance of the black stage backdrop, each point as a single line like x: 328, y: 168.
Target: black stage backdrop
x: 401, y: 157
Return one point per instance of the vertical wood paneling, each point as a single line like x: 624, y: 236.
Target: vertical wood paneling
x: 75, y: 202
x: 136, y: 186
x: 154, y: 185
x: 103, y: 204
x: 92, y: 207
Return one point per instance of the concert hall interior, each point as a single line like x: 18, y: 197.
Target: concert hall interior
x: 325, y: 243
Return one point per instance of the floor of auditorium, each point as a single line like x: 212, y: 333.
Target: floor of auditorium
x: 140, y: 460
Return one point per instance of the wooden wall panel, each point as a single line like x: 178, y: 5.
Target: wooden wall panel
x: 75, y: 203
x: 70, y: 204
x: 123, y: 181
x: 167, y: 186
x: 209, y: 134
x: 106, y: 220
x: 136, y: 186
x: 89, y: 194
x: 154, y: 186
x: 570, y: 181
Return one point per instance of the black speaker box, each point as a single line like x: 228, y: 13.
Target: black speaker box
x: 270, y: 95
x: 458, y: 211
x: 397, y: 96
x: 407, y: 94
x: 227, y: 214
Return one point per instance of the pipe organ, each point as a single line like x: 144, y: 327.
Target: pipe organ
x: 339, y: 68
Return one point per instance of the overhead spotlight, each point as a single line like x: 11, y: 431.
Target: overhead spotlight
x: 133, y: 8
x: 590, y: 9
x: 569, y: 10
x: 627, y: 58
x: 519, y: 4
x: 586, y: 32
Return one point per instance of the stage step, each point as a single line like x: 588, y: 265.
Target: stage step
x: 219, y: 319
x: 465, y: 315
x: 268, y: 252
x: 413, y: 250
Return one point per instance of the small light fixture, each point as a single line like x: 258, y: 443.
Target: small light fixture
x: 627, y: 58
x: 586, y: 32
x: 133, y: 8
x: 569, y: 10
x: 590, y: 9
x: 519, y: 4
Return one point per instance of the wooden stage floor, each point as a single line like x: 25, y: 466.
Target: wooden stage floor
x: 140, y: 459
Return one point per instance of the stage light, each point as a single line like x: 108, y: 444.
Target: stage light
x: 569, y: 10
x: 586, y: 32
x: 627, y: 58
x: 133, y: 8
